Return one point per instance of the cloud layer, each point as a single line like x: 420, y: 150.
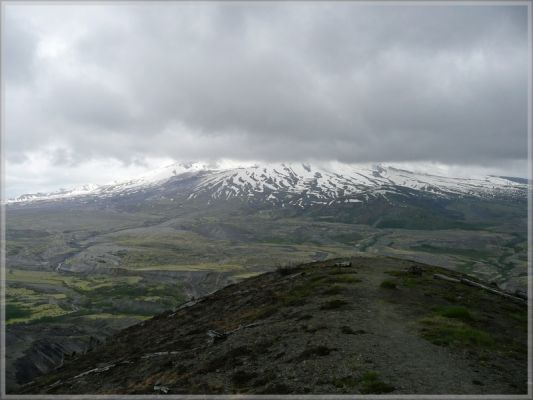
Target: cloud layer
x: 265, y: 81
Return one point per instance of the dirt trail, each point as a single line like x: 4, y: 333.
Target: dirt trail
x: 413, y: 362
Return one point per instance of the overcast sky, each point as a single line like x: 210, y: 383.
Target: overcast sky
x: 95, y: 93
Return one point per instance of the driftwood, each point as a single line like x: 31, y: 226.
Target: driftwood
x: 188, y: 303
x: 161, y: 388
x: 481, y: 286
x: 160, y: 353
x: 414, y: 270
x: 446, y: 278
x: 521, y: 294
x: 489, y: 289
x: 95, y: 371
x: 343, y: 264
x: 215, y: 336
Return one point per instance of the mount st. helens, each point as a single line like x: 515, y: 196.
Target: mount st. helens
x: 295, y: 184
x: 84, y: 263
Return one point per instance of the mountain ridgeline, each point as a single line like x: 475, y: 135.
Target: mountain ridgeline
x: 381, y: 196
x: 296, y: 184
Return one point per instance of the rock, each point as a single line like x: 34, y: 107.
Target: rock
x: 161, y: 388
x: 215, y: 336
x: 343, y: 264
x: 414, y: 270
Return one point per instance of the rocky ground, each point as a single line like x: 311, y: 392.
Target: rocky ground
x: 382, y: 325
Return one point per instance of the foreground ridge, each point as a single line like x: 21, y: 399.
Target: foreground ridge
x: 363, y: 325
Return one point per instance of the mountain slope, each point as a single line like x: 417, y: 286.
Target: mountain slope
x: 381, y: 325
x: 295, y: 184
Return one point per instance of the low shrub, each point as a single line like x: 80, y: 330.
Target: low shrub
x: 333, y: 304
x: 458, y: 312
x: 445, y: 331
x: 388, y: 284
x: 371, y: 383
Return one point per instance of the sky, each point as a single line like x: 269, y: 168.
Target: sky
x: 100, y: 92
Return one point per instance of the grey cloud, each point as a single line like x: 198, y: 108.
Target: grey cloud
x: 89, y: 104
x: 18, y: 50
x: 280, y: 81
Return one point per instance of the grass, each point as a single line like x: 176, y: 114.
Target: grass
x: 49, y: 296
x: 260, y: 313
x: 457, y: 312
x: 388, y: 284
x: 19, y: 313
x: 73, y: 282
x: 347, y: 382
x: 285, y: 270
x: 194, y: 267
x: 298, y: 295
x: 520, y: 317
x: 346, y: 278
x: 333, y: 290
x: 15, y: 311
x: 312, y: 352
x: 333, y: 304
x: 445, y: 331
x: 472, y: 253
x: 245, y: 275
x: 349, y: 331
x: 371, y: 383
x: 114, y: 316
x: 240, y: 377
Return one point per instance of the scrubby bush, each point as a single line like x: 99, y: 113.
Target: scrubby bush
x: 388, y: 284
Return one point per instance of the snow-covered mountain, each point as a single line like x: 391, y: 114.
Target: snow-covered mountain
x: 297, y: 184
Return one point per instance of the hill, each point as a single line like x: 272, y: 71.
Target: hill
x: 380, y: 325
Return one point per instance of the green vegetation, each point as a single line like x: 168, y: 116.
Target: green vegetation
x: 445, y: 331
x: 195, y: 267
x: 371, y: 383
x: 388, y: 284
x: 312, y: 352
x: 14, y: 311
x: 458, y: 312
x: 297, y: 295
x: 367, y: 383
x: 333, y: 290
x: 259, y: 313
x: 472, y: 253
x: 51, y: 296
x: 333, y: 304
x: 285, y: 270
x: 346, y: 278
x: 349, y: 331
x: 240, y: 377
x: 346, y: 383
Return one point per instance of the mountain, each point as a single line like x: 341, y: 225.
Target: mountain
x: 292, y: 184
x: 358, y: 326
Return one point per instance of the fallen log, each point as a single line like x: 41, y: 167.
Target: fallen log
x: 446, y: 278
x: 489, y: 289
x: 343, y: 264
x: 481, y: 286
